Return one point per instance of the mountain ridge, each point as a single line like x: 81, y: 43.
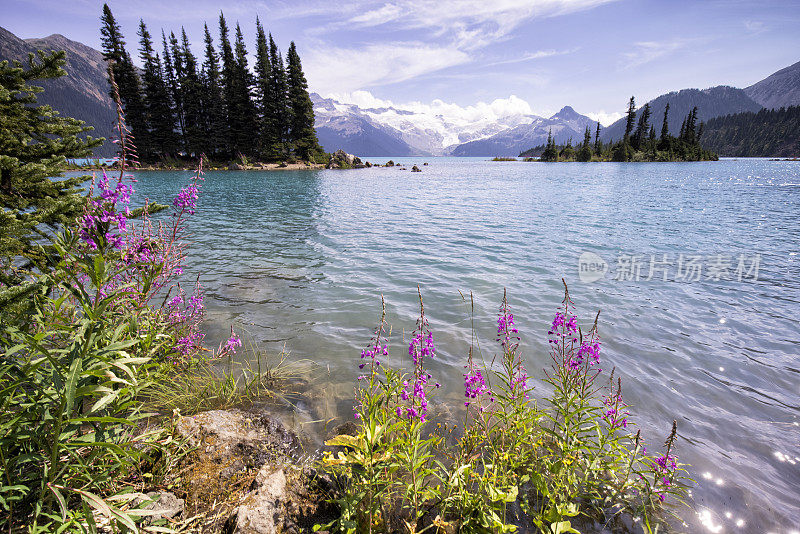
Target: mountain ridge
x: 711, y: 102
x: 392, y: 131
x: 779, y: 89
x: 82, y: 93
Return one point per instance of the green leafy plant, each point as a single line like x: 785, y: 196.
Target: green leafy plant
x: 552, y: 463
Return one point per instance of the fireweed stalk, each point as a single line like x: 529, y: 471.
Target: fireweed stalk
x: 564, y: 458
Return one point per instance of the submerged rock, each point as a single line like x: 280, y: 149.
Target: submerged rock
x: 251, y: 472
x: 415, y: 169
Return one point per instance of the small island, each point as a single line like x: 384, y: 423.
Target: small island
x: 639, y: 144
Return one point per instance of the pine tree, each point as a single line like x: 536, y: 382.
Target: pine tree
x: 651, y: 142
x: 664, y: 140
x: 228, y: 80
x: 301, y: 124
x: 277, y: 115
x: 127, y: 79
x: 243, y: 113
x: 550, y: 152
x: 598, y: 145
x: 642, y: 128
x: 631, y: 120
x: 691, y: 126
x: 34, y: 144
x: 173, y: 86
x: 213, y: 108
x: 162, y: 138
x: 585, y: 152
x: 191, y: 90
x: 568, y: 152
x: 263, y: 69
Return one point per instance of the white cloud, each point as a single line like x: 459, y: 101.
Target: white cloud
x: 755, y: 27
x: 470, y: 24
x: 605, y: 119
x: 347, y: 69
x: 531, y: 56
x: 496, y: 110
x: 386, y: 13
x: 647, y: 51
x: 444, y: 32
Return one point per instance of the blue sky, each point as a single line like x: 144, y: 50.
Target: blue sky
x: 527, y: 55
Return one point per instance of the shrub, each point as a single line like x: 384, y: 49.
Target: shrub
x: 564, y: 458
x: 106, y: 321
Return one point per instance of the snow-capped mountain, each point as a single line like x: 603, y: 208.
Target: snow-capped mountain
x: 565, y: 125
x: 391, y: 131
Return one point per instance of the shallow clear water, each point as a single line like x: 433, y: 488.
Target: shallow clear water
x: 301, y: 259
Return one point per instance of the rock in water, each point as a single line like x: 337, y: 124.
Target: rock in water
x: 415, y: 169
x: 342, y: 160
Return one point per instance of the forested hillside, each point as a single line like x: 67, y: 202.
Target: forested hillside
x: 768, y: 133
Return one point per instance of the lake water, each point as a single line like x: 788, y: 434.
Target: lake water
x: 301, y: 258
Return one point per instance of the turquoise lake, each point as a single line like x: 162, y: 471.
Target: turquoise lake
x: 700, y: 304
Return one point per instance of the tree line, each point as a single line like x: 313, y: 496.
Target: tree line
x: 767, y: 133
x: 639, y: 143
x: 176, y: 106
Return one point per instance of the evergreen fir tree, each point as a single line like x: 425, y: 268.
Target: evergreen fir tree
x: 127, y: 79
x: 691, y: 126
x: 663, y: 142
x: 631, y: 119
x: 162, y: 138
x: 242, y: 114
x: 550, y: 152
x: 301, y: 124
x: 34, y: 144
x: 228, y: 79
x: 567, y: 153
x: 651, y: 141
x: 642, y: 128
x: 585, y: 152
x: 173, y: 85
x: 213, y: 108
x: 191, y: 90
x: 180, y: 73
x: 598, y: 145
x: 277, y: 114
x: 263, y: 70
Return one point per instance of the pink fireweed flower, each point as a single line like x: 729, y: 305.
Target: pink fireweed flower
x: 615, y: 415
x: 232, y: 343
x: 106, y: 215
x: 186, y: 199
x: 563, y: 327
x: 421, y: 346
x: 474, y: 384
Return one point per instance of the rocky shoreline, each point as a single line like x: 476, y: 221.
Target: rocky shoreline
x: 245, y: 474
x: 338, y: 160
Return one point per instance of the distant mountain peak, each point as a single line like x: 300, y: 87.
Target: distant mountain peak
x: 780, y: 89
x: 566, y: 112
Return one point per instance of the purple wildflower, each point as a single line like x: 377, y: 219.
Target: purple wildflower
x: 186, y: 199
x: 232, y: 343
x: 474, y: 384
